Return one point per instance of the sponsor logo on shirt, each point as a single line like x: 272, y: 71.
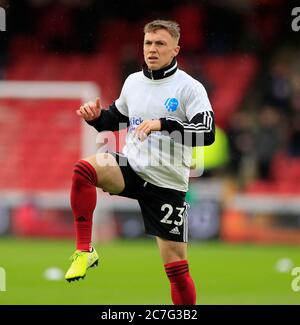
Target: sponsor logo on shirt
x: 134, y: 122
x: 171, y: 104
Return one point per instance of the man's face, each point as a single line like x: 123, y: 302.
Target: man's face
x: 159, y: 49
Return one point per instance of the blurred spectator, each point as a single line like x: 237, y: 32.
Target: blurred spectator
x: 21, y: 18
x: 130, y: 62
x: 268, y: 139
x: 282, y: 90
x: 3, y: 41
x: 84, y: 25
x: 277, y: 91
x: 68, y: 26
x: 224, y: 28
x: 265, y: 23
x: 4, y: 219
x: 194, y: 67
x: 3, y: 52
x: 25, y: 215
x: 295, y: 81
x: 190, y: 17
x: 54, y: 28
x: 294, y: 136
x: 241, y: 141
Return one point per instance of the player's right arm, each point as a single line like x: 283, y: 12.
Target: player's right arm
x: 110, y: 119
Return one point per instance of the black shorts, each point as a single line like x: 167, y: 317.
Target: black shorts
x: 164, y: 210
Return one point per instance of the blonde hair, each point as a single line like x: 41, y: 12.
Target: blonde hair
x: 171, y: 26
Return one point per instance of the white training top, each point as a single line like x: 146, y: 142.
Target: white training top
x: 159, y: 159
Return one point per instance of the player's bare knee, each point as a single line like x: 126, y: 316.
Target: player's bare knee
x: 105, y: 159
x: 109, y: 176
x: 91, y: 160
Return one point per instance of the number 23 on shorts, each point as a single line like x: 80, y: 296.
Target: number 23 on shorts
x: 177, y: 218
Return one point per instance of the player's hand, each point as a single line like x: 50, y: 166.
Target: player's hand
x: 143, y: 130
x: 90, y: 111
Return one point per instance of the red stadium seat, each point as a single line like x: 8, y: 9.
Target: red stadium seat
x: 40, y: 152
x: 285, y: 181
x: 230, y: 76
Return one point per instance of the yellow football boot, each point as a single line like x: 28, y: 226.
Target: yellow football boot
x: 81, y: 261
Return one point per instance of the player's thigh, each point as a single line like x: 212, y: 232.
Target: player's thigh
x: 171, y: 251
x: 109, y: 174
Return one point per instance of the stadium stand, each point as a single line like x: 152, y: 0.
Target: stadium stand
x: 245, y: 57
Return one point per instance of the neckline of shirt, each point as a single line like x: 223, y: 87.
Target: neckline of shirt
x: 161, y: 73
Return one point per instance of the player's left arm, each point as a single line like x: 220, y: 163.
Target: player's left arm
x: 199, y: 127
x: 200, y: 131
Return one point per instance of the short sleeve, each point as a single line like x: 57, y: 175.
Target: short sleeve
x: 121, y: 102
x: 197, y: 100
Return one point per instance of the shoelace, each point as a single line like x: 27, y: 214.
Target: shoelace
x: 76, y: 255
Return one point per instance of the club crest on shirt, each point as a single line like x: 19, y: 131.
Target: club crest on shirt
x: 171, y: 104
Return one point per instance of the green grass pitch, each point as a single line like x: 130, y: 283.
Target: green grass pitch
x: 131, y: 273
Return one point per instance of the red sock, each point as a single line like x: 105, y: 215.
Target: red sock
x: 83, y: 202
x: 182, y: 286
